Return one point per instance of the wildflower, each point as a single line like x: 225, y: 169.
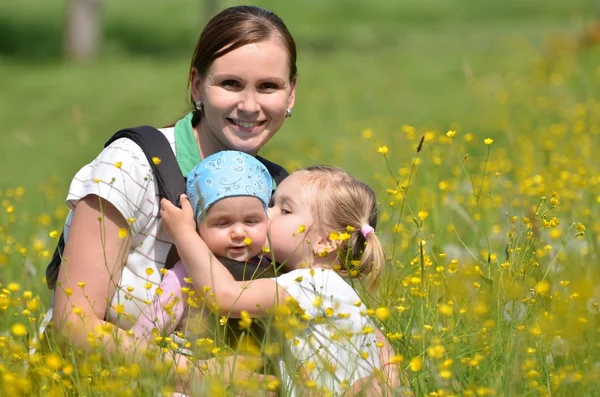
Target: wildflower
x: 149, y: 271
x: 301, y: 229
x: 118, y: 164
x: 488, y: 141
x: 53, y: 234
x: 247, y: 241
x: 156, y: 160
x: 423, y: 214
x: 367, y: 133
x: 383, y: 150
x: 18, y: 329
x: 123, y: 232
x: 265, y: 250
x: 446, y: 310
x: 382, y: 313
x: 451, y: 134
x: 542, y: 287
x: 223, y: 320
x: 81, y: 284
x: 445, y: 374
x: 245, y: 320
x: 416, y: 364
x: 436, y: 351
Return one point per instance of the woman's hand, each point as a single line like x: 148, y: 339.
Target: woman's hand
x: 177, y: 222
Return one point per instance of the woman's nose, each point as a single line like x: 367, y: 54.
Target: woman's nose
x: 249, y: 102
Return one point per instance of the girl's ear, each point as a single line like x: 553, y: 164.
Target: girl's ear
x: 322, y: 246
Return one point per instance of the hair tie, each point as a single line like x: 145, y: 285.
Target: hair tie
x: 366, y: 229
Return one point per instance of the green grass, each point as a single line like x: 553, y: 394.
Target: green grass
x: 509, y: 70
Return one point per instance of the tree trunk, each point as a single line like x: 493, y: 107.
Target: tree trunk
x: 83, y: 29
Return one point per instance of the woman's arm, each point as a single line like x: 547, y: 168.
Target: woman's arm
x: 94, y: 254
x: 208, y: 274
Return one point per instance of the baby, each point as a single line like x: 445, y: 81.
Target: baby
x: 229, y: 192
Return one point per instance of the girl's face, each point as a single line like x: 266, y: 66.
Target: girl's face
x: 290, y: 223
x: 245, y: 94
x: 235, y: 227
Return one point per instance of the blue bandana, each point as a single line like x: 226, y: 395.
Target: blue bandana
x: 227, y: 174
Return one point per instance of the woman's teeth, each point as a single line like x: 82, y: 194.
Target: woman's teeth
x: 246, y: 124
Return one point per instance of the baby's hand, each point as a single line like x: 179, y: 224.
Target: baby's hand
x: 177, y: 221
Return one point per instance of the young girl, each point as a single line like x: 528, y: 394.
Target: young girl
x: 229, y: 192
x: 321, y: 227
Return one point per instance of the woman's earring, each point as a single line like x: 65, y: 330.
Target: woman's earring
x: 199, y: 105
x: 288, y: 113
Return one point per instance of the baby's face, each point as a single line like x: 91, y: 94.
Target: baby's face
x: 235, y: 227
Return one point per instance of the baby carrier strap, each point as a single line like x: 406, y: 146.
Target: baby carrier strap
x: 170, y: 181
x: 278, y: 173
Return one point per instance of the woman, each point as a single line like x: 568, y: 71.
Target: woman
x: 243, y: 80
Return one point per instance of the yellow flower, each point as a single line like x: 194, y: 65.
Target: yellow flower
x: 18, y: 329
x: 350, y: 229
x: 149, y: 271
x: 123, y: 232
x: 118, y: 164
x: 382, y: 313
x: 416, y: 364
x: 542, y: 287
x: 156, y: 160
x: 265, y: 250
x: 445, y: 374
x: 367, y: 133
x: 247, y: 241
x: 301, y: 229
x: 81, y: 284
x: 451, y: 134
x: 422, y: 215
x: 383, y: 150
x: 488, y: 141
x: 245, y: 320
x: 223, y: 320
x: 53, y: 234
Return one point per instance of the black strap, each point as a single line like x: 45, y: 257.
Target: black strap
x: 277, y: 172
x: 170, y: 181
x: 156, y: 147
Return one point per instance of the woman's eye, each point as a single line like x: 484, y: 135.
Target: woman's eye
x: 269, y: 86
x: 230, y: 83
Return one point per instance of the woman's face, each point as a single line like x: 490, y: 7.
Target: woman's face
x: 245, y: 94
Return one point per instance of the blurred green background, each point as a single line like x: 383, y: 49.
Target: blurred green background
x: 377, y: 65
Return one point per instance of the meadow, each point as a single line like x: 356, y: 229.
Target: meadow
x: 475, y: 121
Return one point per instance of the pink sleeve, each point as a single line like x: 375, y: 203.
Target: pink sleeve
x: 166, y: 311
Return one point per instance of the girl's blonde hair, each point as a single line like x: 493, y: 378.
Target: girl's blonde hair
x: 343, y: 204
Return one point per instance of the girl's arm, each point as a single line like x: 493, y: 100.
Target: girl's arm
x: 208, y: 274
x: 94, y: 254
